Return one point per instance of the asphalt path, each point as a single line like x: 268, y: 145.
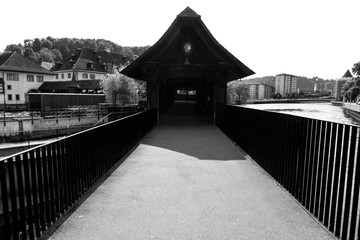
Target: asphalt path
x: 187, y: 180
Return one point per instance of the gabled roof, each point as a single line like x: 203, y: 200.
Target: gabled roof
x: 347, y: 74
x: 14, y: 62
x: 189, y: 13
x: 91, y: 59
x: 190, y: 23
x: 64, y: 85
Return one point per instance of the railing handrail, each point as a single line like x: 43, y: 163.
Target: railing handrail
x: 316, y: 161
x: 330, y: 121
x: 40, y: 185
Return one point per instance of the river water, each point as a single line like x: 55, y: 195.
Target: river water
x: 322, y: 111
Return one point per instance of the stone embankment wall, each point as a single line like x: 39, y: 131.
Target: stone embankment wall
x: 353, y: 109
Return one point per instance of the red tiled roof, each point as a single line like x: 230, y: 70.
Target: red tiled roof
x: 17, y: 63
x: 99, y: 58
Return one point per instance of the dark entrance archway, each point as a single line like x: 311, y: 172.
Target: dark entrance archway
x: 187, y: 64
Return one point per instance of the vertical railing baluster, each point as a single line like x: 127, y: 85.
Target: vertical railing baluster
x: 21, y: 193
x: 343, y: 170
x: 35, y: 191
x: 13, y: 193
x: 325, y: 170
x: 355, y: 204
x: 42, y: 207
x: 29, y: 204
x: 44, y: 160
x: 331, y: 169
x: 348, y: 182
x: 56, y: 183
x: 6, y: 228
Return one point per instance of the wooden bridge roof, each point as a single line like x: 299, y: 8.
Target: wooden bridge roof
x: 167, y: 53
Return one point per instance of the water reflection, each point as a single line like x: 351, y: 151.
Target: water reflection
x: 322, y: 111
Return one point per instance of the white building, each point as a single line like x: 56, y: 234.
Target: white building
x: 285, y: 83
x: 85, y: 68
x: 18, y: 77
x: 260, y: 91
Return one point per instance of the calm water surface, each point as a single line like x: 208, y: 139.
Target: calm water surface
x: 322, y: 111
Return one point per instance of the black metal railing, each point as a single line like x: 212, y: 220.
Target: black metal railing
x: 316, y: 161
x: 40, y: 185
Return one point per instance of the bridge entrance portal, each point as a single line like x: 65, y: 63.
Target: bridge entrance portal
x: 187, y: 64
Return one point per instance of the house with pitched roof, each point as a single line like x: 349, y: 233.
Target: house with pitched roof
x: 339, y: 84
x: 18, y: 77
x: 83, y: 71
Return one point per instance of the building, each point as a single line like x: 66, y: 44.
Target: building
x: 285, y: 83
x: 18, y: 77
x: 339, y: 83
x: 83, y: 71
x: 259, y: 90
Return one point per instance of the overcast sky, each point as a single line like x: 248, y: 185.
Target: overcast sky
x: 300, y: 37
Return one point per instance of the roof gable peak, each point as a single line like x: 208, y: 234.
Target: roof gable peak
x: 188, y: 13
x: 347, y: 74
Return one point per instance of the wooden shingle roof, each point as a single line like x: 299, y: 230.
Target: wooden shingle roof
x: 208, y: 53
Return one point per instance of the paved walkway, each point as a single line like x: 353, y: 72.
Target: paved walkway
x: 186, y: 180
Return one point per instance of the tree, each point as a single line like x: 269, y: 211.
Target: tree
x: 351, y: 89
x: 276, y: 96
x: 128, y: 52
x: 125, y: 89
x: 46, y: 44
x: 356, y: 69
x: 14, y: 48
x: 46, y: 55
x: 57, y: 55
x: 237, y: 92
x: 28, y: 52
x: 36, y: 45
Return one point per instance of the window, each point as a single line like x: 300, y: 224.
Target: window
x: 9, y: 87
x: 57, y: 76
x: 9, y: 97
x: 92, y: 76
x: 39, y: 78
x: 13, y: 77
x: 17, y: 97
x: 30, y: 78
x: 84, y: 75
x: 62, y: 76
x: 69, y: 75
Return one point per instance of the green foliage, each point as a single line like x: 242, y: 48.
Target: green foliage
x: 237, y: 92
x: 356, y: 69
x: 62, y: 48
x: 46, y: 55
x: 351, y: 89
x: 14, y: 48
x: 125, y: 88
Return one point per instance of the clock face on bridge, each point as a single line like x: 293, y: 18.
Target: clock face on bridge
x: 187, y: 48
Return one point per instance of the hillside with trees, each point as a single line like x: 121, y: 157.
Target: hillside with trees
x: 304, y: 84
x: 59, y: 49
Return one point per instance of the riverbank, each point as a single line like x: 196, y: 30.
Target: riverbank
x: 302, y: 100
x: 322, y: 111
